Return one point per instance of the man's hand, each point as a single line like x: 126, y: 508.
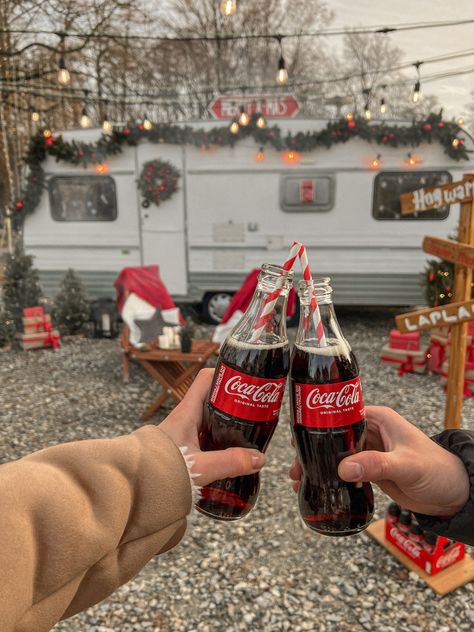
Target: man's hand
x: 183, y: 426
x: 415, y: 471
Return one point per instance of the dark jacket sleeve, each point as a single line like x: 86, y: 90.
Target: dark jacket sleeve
x: 460, y: 526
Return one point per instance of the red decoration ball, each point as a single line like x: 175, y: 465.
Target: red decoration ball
x: 436, y: 303
x: 19, y: 204
x: 126, y: 131
x: 426, y: 127
x: 80, y: 153
x: 391, y: 136
x: 431, y: 277
x: 49, y: 141
x: 448, y: 289
x: 162, y: 188
x: 440, y: 124
x: 385, y: 139
x: 351, y: 124
x: 292, y: 141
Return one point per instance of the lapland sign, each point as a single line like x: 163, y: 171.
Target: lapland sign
x: 434, y: 197
x: 443, y: 316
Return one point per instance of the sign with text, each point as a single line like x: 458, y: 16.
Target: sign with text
x: 445, y: 315
x: 270, y: 106
x: 434, y: 197
x: 449, y: 250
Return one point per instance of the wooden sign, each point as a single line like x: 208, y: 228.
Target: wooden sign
x: 434, y: 197
x: 443, y: 316
x: 449, y: 250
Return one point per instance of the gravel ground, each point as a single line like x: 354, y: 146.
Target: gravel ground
x: 264, y: 573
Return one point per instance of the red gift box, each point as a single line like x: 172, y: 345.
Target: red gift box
x: 34, y: 324
x: 29, y: 312
x: 436, y: 355
x: 41, y: 340
x: 430, y: 559
x: 410, y: 341
x: 406, y: 361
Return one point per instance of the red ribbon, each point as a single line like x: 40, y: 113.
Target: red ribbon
x: 52, y: 339
x: 406, y: 367
x: 442, y: 351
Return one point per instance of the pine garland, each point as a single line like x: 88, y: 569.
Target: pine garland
x: 44, y: 144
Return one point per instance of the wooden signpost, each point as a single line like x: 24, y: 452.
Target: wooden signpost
x: 461, y: 253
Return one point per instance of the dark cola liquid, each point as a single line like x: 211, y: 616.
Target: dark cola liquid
x: 233, y: 498
x: 328, y: 504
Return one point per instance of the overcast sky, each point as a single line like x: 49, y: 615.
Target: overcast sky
x: 454, y: 93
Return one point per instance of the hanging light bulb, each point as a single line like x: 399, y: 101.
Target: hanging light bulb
x: 460, y: 121
x: 375, y: 163
x: 47, y: 133
x: 85, y: 119
x: 383, y: 106
x: 282, y: 72
x: 244, y: 118
x: 261, y: 123
x: 367, y: 112
x: 147, y: 124
x: 107, y: 126
x: 64, y: 76
x: 349, y: 116
x: 234, y: 127
x: 35, y: 115
x: 228, y: 8
x: 455, y: 142
x: 416, y: 96
x: 411, y: 160
x: 260, y: 157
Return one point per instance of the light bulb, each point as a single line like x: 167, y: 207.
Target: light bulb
x: 411, y: 160
x: 147, y: 124
x: 455, y: 142
x: 35, y: 117
x: 460, y: 121
x: 234, y: 127
x: 383, y: 106
x: 349, y: 116
x: 47, y: 133
x: 260, y: 157
x: 244, y: 118
x: 416, y: 92
x: 101, y: 168
x: 261, y: 124
x: 375, y: 163
x: 85, y: 120
x: 107, y: 126
x: 64, y: 76
x: 282, y: 73
x: 368, y: 113
x: 228, y: 8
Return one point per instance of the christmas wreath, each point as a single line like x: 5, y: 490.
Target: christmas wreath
x: 158, y: 181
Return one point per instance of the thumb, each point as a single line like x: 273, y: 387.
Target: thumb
x: 370, y: 465
x: 218, y: 464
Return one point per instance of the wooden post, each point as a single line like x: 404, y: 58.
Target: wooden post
x: 462, y: 292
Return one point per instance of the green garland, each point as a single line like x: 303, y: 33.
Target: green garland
x: 43, y: 144
x: 158, y: 181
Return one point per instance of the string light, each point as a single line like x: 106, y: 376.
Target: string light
x: 375, y: 163
x: 85, y: 119
x: 64, y: 76
x: 460, y: 121
x: 455, y: 142
x: 228, y: 8
x: 383, y: 106
x: 367, y: 112
x: 282, y: 72
x: 147, y: 124
x: 234, y: 127
x: 244, y: 118
x: 412, y: 160
x: 47, y: 133
x: 349, y: 116
x: 417, y: 88
x: 101, y: 168
x: 291, y: 156
x: 107, y: 126
x: 261, y: 123
x: 35, y: 116
x: 260, y: 157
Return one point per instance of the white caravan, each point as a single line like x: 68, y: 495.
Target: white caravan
x: 232, y: 213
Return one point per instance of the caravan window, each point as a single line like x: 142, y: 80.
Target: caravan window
x: 389, y: 185
x: 83, y: 198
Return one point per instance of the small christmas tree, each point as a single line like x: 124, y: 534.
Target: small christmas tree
x: 7, y: 328
x: 71, y: 306
x: 21, y: 287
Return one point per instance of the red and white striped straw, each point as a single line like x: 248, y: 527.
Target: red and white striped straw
x: 269, y: 306
x: 314, y: 307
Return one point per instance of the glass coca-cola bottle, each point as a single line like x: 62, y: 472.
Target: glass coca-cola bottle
x: 328, y: 418
x: 247, y: 391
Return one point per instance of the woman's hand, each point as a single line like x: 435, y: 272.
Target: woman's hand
x: 183, y: 426
x: 407, y: 465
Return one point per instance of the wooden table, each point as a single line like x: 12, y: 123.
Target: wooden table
x: 171, y: 368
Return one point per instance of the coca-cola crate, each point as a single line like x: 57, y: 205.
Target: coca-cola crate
x: 443, y: 554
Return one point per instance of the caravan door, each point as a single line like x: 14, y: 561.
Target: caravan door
x: 163, y: 238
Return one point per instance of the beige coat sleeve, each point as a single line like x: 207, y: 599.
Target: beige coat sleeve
x: 80, y: 519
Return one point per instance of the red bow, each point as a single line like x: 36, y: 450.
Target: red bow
x: 406, y: 367
x: 52, y: 338
x: 442, y: 350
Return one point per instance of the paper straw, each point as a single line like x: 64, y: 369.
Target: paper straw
x: 270, y: 301
x: 314, y: 307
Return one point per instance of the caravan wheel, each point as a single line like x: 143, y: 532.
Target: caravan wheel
x: 214, y: 306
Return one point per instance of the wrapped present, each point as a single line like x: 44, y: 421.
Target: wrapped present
x: 410, y: 341
x: 406, y: 361
x: 29, y: 312
x: 34, y: 324
x: 41, y: 340
x: 436, y: 355
x: 441, y: 334
x: 468, y: 389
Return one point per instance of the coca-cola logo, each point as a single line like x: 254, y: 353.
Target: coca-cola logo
x: 268, y: 393
x: 410, y: 547
x: 348, y: 395
x: 449, y: 558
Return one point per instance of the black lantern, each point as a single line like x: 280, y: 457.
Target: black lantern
x: 105, y: 318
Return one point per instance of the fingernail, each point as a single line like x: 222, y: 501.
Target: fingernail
x: 258, y: 460
x: 352, y: 471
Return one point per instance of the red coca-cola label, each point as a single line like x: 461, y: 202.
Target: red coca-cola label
x: 328, y: 405
x: 247, y: 397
